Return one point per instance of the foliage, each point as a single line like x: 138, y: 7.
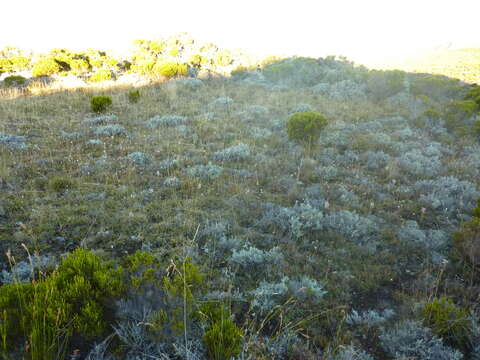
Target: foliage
x: 223, y: 339
x: 448, y: 321
x: 49, y: 311
x: 409, y: 339
x: 101, y: 75
x: 306, y: 126
x: 45, y: 66
x: 110, y: 130
x: 466, y: 242
x: 14, y: 81
x: 60, y: 184
x: 134, y: 96
x: 100, y: 103
x: 170, y: 69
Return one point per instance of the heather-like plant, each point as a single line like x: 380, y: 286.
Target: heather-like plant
x: 101, y: 75
x: 100, y: 103
x: 134, y: 96
x: 14, y: 81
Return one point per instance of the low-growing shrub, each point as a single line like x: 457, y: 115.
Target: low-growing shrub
x: 60, y: 184
x: 110, y: 130
x: 134, y: 96
x: 448, y: 321
x: 100, y: 103
x: 306, y: 126
x: 14, y: 81
x: 466, y: 242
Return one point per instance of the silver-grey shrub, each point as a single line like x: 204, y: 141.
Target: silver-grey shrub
x: 350, y: 352
x: 25, y: 271
x: 233, y: 153
x: 221, y: 102
x: 416, y: 163
x: 13, y: 142
x: 204, y: 172
x: 252, y: 259
x: 166, y: 120
x: 409, y: 339
x: 369, y: 318
x: 139, y: 158
x: 102, y: 119
x: 448, y: 195
x: 110, y: 130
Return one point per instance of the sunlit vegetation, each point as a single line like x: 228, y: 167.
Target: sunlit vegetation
x: 292, y: 209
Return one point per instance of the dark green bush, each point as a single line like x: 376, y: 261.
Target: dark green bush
x: 100, y: 103
x: 45, y: 66
x: 14, y: 81
x: 382, y: 84
x: 134, y: 95
x: 306, y: 127
x: 448, y: 321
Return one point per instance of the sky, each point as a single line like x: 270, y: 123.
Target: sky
x: 362, y: 30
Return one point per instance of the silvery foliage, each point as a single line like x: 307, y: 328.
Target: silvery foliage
x: 233, y: 153
x: 349, y: 224
x: 172, y: 182
x: 260, y: 133
x: 448, y: 195
x: 101, y: 164
x: 94, y: 142
x: 374, y: 160
x: 341, y: 90
x: 281, y: 345
x: 268, y: 295
x: 301, y: 108
x: 166, y: 120
x: 204, y: 172
x: 192, y: 350
x: 408, y: 102
x: 404, y: 134
x: 168, y: 163
x: 409, y: 339
x: 350, y: 352
x: 418, y: 163
x: 369, y: 318
x: 434, y: 240
x: 24, y: 271
x: 13, y: 142
x: 100, y: 120
x: 221, y: 102
x: 346, y: 197
x: 254, y: 113
x: 110, y: 130
x: 71, y: 136
x: 139, y: 158
x: 135, y: 339
x: 99, y: 351
x: 190, y: 83
x: 252, y: 259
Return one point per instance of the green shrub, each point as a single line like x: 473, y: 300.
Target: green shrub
x: 100, y: 103
x: 134, y: 95
x: 101, y: 75
x: 448, y: 321
x: 14, y: 81
x: 170, y: 69
x: 45, y: 66
x: 382, y: 84
x: 70, y: 302
x: 474, y: 94
x: 60, y: 184
x: 305, y: 127
x: 223, y: 339
x: 466, y: 242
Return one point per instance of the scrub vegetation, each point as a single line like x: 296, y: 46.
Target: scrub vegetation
x: 304, y: 209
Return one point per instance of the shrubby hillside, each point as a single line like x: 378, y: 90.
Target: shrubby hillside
x: 307, y: 209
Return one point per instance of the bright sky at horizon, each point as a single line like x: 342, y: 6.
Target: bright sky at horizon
x: 363, y: 30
